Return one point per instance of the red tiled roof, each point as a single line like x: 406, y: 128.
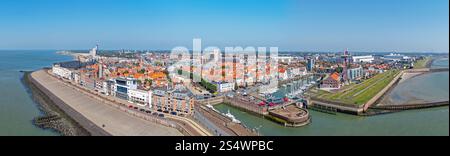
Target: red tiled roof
x: 335, y: 76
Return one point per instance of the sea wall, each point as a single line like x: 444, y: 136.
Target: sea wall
x: 337, y: 106
x: 380, y: 94
x: 73, y: 124
x: 104, y: 114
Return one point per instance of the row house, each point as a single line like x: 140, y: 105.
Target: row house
x: 174, y: 101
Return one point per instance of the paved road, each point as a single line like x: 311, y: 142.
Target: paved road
x: 116, y: 122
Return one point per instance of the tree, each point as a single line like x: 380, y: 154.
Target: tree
x: 142, y: 71
x: 149, y: 81
x: 339, y: 69
x: 208, y: 86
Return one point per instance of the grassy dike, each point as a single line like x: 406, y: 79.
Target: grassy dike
x: 53, y: 117
x: 359, y: 94
x: 423, y: 63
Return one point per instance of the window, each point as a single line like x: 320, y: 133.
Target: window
x: 122, y: 89
x: 120, y: 82
x: 179, y: 105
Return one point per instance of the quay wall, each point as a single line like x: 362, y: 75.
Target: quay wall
x: 251, y: 108
x: 211, y: 101
x: 219, y: 124
x: 210, y: 125
x: 293, y: 122
x: 340, y: 107
x: 234, y: 103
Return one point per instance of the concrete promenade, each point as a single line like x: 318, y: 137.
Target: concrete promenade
x: 111, y: 120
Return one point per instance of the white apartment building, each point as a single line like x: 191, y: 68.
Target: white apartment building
x: 225, y: 87
x: 297, y: 71
x: 62, y: 72
x: 123, y: 86
x: 364, y: 59
x: 140, y: 97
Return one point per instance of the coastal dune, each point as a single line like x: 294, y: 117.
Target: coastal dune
x: 97, y: 117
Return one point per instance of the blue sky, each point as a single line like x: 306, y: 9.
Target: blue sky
x: 300, y: 25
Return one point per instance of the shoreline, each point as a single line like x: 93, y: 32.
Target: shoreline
x: 407, y: 76
x: 52, y: 118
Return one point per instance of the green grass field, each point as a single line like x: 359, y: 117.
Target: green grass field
x: 422, y: 63
x: 359, y: 94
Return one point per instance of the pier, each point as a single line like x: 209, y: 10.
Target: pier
x: 411, y: 106
x: 427, y: 70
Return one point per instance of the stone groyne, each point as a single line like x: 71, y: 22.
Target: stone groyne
x: 411, y: 106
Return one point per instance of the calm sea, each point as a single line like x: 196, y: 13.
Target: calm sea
x: 17, y: 109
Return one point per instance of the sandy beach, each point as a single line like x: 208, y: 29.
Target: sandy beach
x: 93, y: 114
x: 407, y: 76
